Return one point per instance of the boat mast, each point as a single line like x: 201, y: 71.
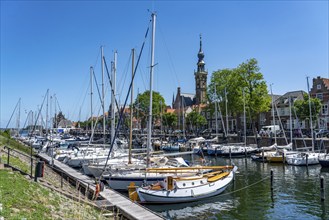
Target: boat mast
x: 131, y: 105
x: 103, y: 95
x: 309, y: 105
x: 244, y: 118
x: 91, y: 97
x: 216, y: 114
x: 290, y: 118
x: 113, y: 80
x: 273, y: 114
x: 47, y: 118
x: 227, y: 130
x: 151, y: 84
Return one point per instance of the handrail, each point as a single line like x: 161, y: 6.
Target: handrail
x: 12, y: 149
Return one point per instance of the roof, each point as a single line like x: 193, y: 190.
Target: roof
x: 295, y: 95
x: 188, y: 99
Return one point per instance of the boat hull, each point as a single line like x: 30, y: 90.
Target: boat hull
x: 185, y: 194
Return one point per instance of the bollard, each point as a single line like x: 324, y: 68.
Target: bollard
x: 39, y: 170
x: 322, y: 188
x: 263, y: 155
x: 271, y: 180
x: 61, y: 180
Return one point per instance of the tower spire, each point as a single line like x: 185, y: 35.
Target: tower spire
x: 200, y: 43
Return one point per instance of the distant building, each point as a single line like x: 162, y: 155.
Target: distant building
x: 320, y: 90
x: 183, y: 100
x: 283, y: 110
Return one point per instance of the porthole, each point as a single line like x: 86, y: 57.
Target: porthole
x: 184, y: 184
x: 192, y: 183
x: 201, y: 182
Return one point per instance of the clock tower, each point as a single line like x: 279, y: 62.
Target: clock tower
x: 200, y: 78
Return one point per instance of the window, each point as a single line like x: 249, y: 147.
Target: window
x: 318, y: 86
x: 319, y: 96
x: 324, y: 109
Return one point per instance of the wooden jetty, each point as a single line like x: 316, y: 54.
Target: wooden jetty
x: 128, y: 208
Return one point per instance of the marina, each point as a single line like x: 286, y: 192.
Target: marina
x: 143, y: 141
x: 296, y: 194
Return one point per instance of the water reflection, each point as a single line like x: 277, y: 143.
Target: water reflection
x: 295, y: 195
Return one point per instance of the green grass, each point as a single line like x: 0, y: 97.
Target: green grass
x: 16, y: 162
x: 5, y: 141
x: 23, y: 198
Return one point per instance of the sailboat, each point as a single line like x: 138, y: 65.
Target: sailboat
x: 120, y: 177
x: 279, y: 156
x: 179, y: 189
x: 305, y: 158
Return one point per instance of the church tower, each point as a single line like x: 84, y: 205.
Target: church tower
x: 200, y: 78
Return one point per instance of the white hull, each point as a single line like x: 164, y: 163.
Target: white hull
x: 188, y: 191
x: 300, y: 159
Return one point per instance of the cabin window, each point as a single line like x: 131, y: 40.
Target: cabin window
x: 318, y: 86
x: 319, y: 96
x: 324, y: 109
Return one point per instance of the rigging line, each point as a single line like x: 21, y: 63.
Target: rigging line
x: 142, y: 74
x: 36, y: 121
x: 125, y: 75
x: 122, y: 110
x: 80, y: 96
x: 284, y: 133
x: 108, y: 76
x: 99, y: 93
x: 27, y: 117
x: 97, y: 58
x: 171, y: 63
x: 13, y: 112
x: 58, y: 104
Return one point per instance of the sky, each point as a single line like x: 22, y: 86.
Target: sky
x: 51, y: 45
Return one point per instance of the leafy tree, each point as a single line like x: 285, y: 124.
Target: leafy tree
x: 196, y: 120
x: 247, y: 79
x: 303, y: 110
x: 142, y: 104
x: 169, y: 120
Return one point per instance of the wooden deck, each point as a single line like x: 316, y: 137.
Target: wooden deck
x: 129, y: 209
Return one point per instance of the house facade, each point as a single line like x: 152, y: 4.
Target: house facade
x: 320, y: 90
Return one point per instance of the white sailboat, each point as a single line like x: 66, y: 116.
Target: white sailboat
x: 305, y: 158
x: 178, y: 189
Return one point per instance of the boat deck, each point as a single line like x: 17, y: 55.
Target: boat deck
x: 128, y: 208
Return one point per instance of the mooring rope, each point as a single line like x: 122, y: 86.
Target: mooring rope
x: 245, y: 186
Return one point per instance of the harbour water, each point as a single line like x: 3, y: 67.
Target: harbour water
x: 296, y: 194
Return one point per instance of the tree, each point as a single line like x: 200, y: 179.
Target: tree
x: 196, y: 120
x: 142, y: 103
x: 303, y: 110
x: 169, y: 120
x: 246, y: 78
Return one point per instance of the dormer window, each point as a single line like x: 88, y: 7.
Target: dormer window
x: 318, y: 86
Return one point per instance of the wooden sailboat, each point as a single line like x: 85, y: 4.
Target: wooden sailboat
x: 179, y: 189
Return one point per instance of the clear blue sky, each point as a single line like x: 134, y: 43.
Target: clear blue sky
x: 51, y: 45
